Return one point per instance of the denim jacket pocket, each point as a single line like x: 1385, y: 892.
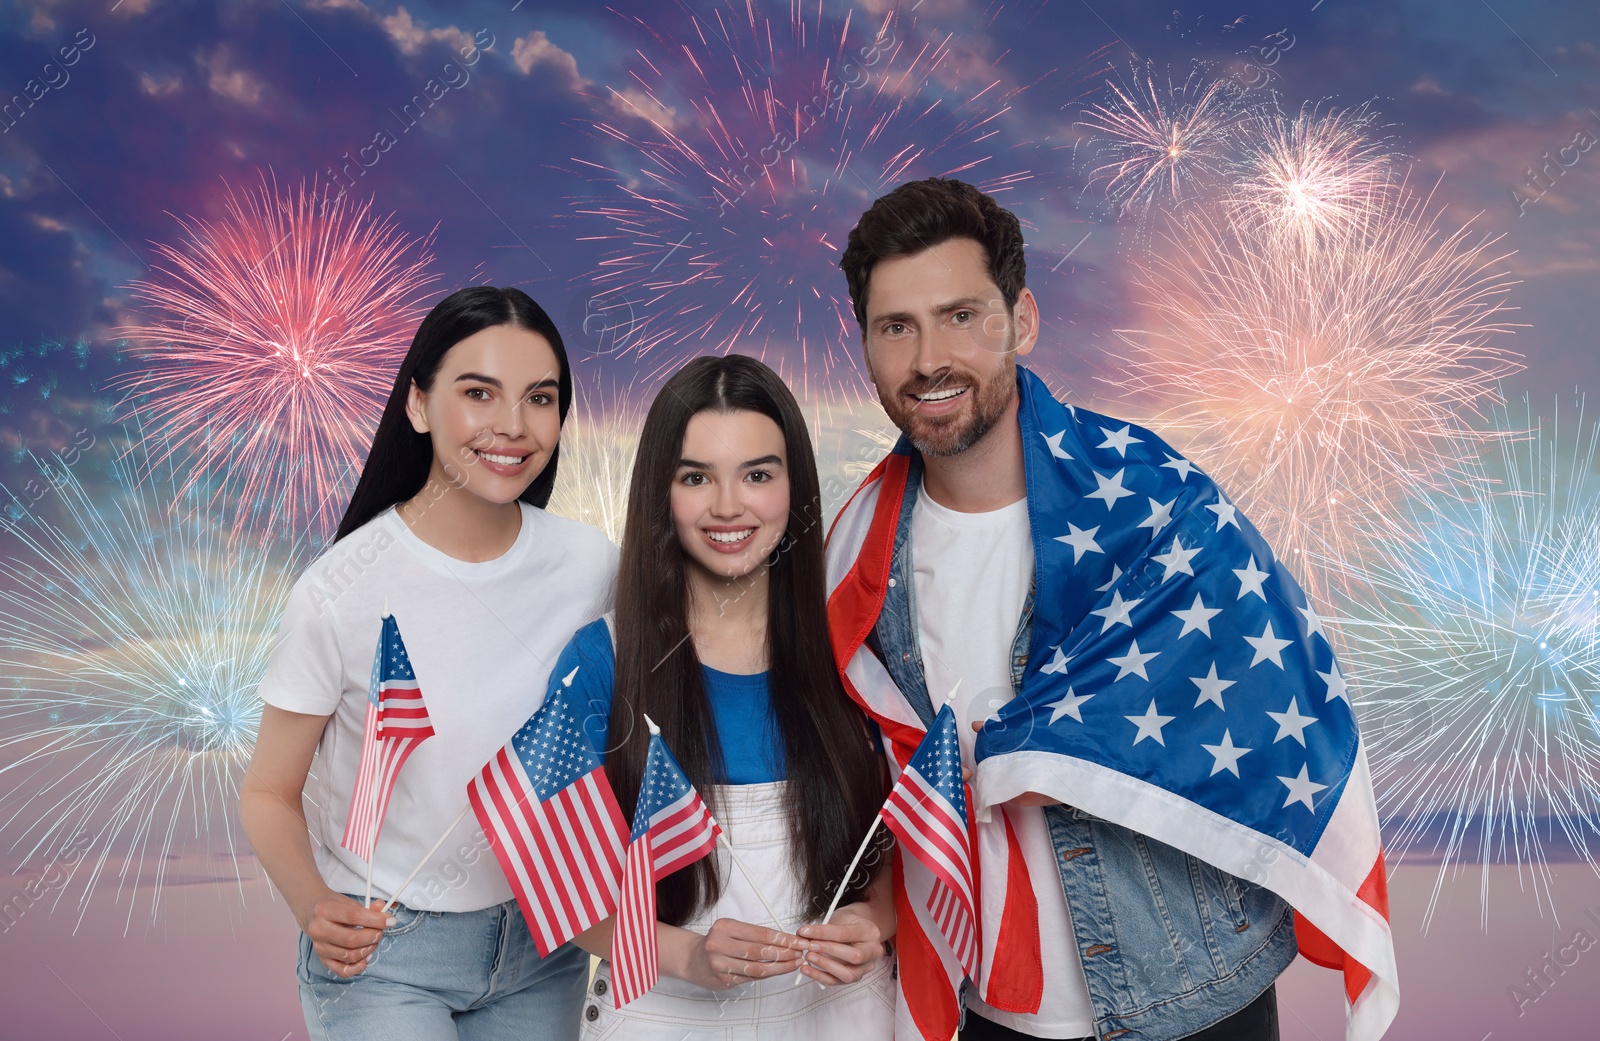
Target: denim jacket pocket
x: 1221, y: 891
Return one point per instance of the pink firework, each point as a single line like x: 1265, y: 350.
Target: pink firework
x: 1324, y: 383
x: 269, y: 346
x: 746, y: 149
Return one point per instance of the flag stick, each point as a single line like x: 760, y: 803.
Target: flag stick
x: 372, y: 833
x: 838, y: 893
x: 722, y: 837
x: 845, y: 882
x: 372, y: 842
x: 395, y: 899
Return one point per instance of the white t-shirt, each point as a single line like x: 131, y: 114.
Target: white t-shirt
x: 971, y: 574
x: 482, y: 638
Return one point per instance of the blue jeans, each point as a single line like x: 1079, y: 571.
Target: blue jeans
x: 444, y: 976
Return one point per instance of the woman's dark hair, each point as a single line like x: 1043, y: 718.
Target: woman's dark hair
x: 835, y: 782
x: 919, y: 215
x: 398, y: 465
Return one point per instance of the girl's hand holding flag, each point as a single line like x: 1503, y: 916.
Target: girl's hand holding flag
x: 546, y: 786
x: 671, y: 830
x: 733, y: 952
x: 343, y: 932
x: 846, y: 947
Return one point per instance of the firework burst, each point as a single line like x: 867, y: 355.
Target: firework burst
x: 132, y: 640
x: 1479, y: 655
x: 1316, y: 378
x: 598, y: 443
x: 1162, y: 143
x: 1312, y: 178
x: 270, y: 345
x: 766, y: 140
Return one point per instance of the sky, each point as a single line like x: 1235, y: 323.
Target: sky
x: 608, y: 159
x: 521, y: 171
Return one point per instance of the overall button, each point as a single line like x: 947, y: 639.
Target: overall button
x: 592, y: 1013
x: 600, y: 988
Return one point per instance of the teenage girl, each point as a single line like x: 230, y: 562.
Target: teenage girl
x: 721, y: 637
x: 446, y: 530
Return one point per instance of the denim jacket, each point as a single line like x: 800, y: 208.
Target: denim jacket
x: 1169, y: 944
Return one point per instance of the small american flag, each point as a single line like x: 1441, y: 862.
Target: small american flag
x: 397, y: 722
x: 927, y: 811
x: 553, y: 823
x: 671, y: 829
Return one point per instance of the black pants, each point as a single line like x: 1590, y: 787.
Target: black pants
x: 1257, y: 1021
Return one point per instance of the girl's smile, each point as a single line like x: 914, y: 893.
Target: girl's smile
x: 507, y: 462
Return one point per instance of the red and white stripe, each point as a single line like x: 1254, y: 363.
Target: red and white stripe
x: 563, y: 857
x: 956, y: 924
x: 392, y: 731
x: 931, y: 829
x: 401, y: 712
x: 679, y: 834
x: 634, y: 966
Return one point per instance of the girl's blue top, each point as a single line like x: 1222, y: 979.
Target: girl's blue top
x: 741, y: 706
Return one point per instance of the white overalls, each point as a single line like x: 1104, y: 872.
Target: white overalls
x: 756, y: 823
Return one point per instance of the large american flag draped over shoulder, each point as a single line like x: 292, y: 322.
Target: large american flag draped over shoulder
x: 1178, y: 683
x: 397, y: 722
x: 671, y: 829
x: 927, y: 811
x: 553, y: 823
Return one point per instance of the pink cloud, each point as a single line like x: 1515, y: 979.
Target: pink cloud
x: 535, y: 50
x: 227, y: 79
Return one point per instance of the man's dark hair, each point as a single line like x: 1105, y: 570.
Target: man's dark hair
x: 919, y: 215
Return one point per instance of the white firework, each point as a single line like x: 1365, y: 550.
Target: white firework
x: 1478, y: 650
x: 133, y: 636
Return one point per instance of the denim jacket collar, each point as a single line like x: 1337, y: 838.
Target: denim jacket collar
x: 900, y: 613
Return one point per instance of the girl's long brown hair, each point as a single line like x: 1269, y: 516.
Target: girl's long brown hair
x: 835, y: 782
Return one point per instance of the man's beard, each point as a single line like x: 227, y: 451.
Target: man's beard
x: 951, y: 435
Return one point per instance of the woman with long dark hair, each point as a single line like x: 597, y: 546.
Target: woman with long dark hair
x: 445, y: 533
x: 721, y: 637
